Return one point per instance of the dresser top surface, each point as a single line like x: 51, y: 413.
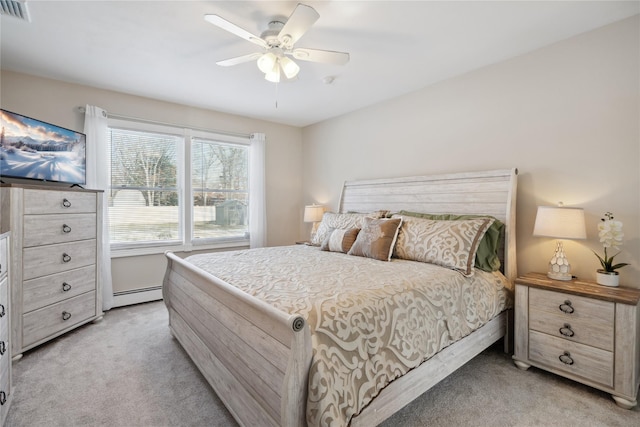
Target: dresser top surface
x: 57, y: 187
x: 584, y: 288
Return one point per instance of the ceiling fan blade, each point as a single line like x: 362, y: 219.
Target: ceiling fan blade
x: 298, y: 23
x: 324, y: 56
x: 220, y: 22
x: 239, y: 59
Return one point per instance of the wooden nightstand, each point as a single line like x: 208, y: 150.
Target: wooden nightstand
x: 582, y: 331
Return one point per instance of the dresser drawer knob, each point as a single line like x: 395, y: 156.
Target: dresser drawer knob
x: 566, y: 358
x: 66, y: 315
x: 66, y: 257
x: 66, y: 287
x: 3, y: 348
x: 566, y: 330
x: 66, y: 203
x: 2, y: 310
x: 566, y: 307
x: 3, y: 397
x: 66, y: 228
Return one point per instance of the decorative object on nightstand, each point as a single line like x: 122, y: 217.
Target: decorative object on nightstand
x: 610, y: 234
x: 561, y: 223
x: 313, y: 213
x: 581, y: 331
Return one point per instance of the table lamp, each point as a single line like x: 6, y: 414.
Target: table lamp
x: 313, y: 213
x: 561, y: 223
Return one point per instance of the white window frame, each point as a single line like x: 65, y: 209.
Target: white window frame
x: 184, y: 189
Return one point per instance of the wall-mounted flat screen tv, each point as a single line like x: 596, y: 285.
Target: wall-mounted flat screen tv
x: 33, y: 149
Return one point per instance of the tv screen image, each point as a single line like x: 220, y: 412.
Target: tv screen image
x: 33, y: 149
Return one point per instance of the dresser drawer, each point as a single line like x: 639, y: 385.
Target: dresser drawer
x: 53, y: 202
x: 4, y: 313
x: 5, y: 383
x: 40, y: 292
x: 587, y: 362
x: 58, y: 228
x: 4, y: 298
x: 4, y: 266
x: 44, y: 260
x: 47, y: 321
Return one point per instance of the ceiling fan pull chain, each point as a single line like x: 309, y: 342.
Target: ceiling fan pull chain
x: 277, y: 83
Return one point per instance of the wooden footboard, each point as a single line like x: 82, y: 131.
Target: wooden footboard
x: 254, y: 356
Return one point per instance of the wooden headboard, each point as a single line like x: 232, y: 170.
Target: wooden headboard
x: 480, y: 193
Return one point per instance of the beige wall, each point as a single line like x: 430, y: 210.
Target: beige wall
x: 56, y: 102
x: 567, y: 116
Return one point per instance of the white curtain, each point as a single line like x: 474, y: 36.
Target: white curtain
x: 257, y: 203
x: 96, y: 128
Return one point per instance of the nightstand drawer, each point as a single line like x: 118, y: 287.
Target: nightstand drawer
x: 40, y: 292
x: 39, y: 324
x: 48, y: 229
x: 594, y: 332
x: 53, y: 202
x: 43, y: 260
x: 587, y: 362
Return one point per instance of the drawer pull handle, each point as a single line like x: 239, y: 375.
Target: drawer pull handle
x: 66, y: 287
x: 566, y: 307
x: 566, y: 330
x: 3, y: 348
x: 66, y: 315
x: 66, y: 203
x: 3, y: 397
x: 66, y: 228
x: 66, y: 257
x: 2, y: 310
x: 566, y: 358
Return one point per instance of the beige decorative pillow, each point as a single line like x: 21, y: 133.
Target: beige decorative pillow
x: 340, y: 240
x: 345, y: 221
x: 377, y: 238
x: 448, y: 243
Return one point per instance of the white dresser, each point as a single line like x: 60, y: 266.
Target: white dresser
x: 55, y: 271
x: 5, y: 336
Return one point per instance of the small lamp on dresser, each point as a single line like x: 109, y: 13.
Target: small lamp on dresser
x: 561, y: 223
x: 313, y: 213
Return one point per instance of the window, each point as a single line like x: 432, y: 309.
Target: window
x: 176, y: 187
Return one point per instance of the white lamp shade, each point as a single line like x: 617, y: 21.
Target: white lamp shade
x: 289, y: 67
x: 274, y: 75
x: 266, y: 62
x: 560, y: 222
x: 313, y: 213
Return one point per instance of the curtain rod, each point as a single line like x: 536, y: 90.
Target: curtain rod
x: 156, y: 122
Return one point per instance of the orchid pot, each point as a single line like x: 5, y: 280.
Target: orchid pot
x: 607, y: 278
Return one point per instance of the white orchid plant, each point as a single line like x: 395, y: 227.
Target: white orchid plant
x: 610, y: 233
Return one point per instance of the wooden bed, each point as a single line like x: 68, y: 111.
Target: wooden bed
x: 231, y: 335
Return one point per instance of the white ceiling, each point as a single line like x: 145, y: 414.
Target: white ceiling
x: 166, y: 50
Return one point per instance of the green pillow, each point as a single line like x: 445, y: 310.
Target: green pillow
x: 487, y: 254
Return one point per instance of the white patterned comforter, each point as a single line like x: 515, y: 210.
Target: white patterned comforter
x: 371, y: 321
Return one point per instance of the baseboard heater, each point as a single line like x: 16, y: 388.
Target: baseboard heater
x: 137, y: 296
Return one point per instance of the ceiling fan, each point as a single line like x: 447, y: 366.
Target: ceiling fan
x: 278, y: 43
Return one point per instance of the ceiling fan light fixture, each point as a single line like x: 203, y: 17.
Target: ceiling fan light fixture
x: 267, y: 62
x: 274, y: 74
x: 289, y: 67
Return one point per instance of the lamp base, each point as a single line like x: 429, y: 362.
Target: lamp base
x: 559, y: 267
x: 559, y: 276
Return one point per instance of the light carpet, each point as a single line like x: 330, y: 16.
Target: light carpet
x: 128, y: 371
